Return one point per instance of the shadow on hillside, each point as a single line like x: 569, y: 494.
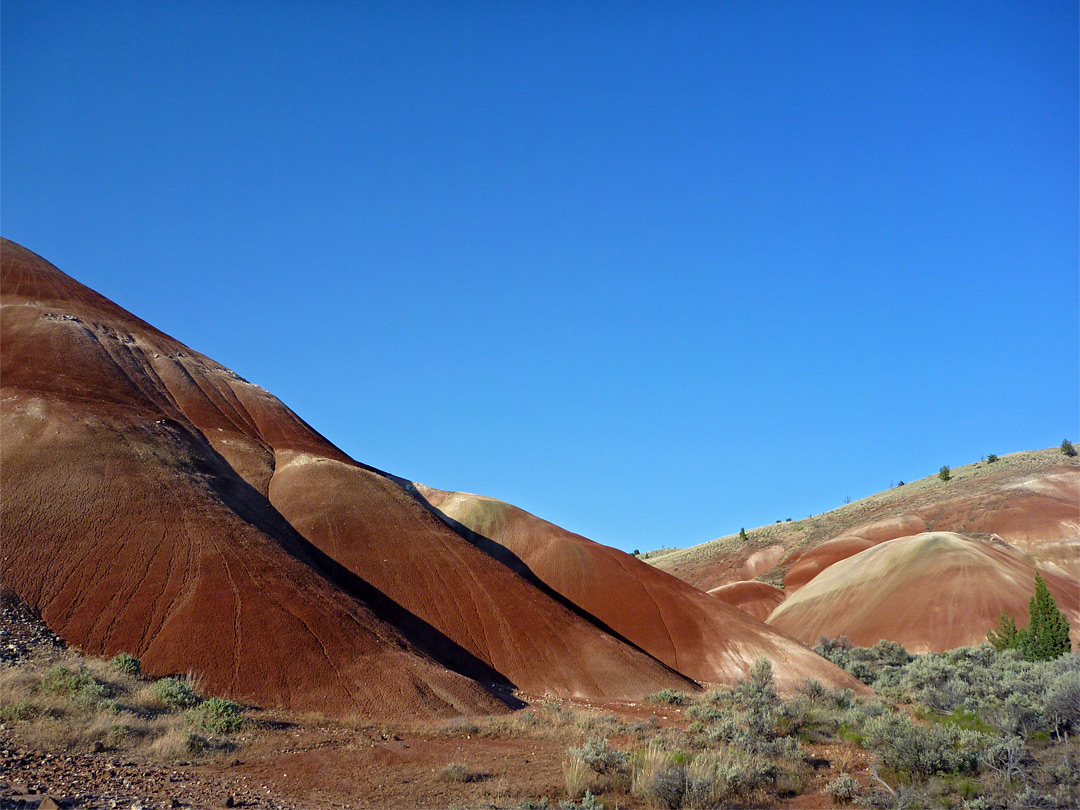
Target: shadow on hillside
x: 253, y: 507
x: 502, y: 554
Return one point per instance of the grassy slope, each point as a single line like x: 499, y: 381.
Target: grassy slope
x: 700, y: 565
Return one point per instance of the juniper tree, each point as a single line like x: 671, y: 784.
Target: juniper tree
x: 1047, y: 633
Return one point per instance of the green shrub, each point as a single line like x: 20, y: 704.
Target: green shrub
x: 844, y: 789
x: 891, y: 654
x: 598, y: 754
x: 990, y: 459
x: 667, y: 787
x: 16, y: 711
x: 216, y: 715
x: 93, y: 693
x: 1062, y: 705
x: 1005, y: 636
x: 705, y: 712
x: 814, y: 690
x: 588, y: 802
x: 1067, y: 448
x: 944, y: 473
x: 127, y: 664
x: 922, y: 751
x: 59, y: 680
x: 669, y: 696
x: 176, y: 693
x: 78, y: 685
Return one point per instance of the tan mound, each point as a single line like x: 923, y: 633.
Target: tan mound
x: 759, y: 599
x: 931, y: 591
x: 143, y: 484
x: 691, y: 631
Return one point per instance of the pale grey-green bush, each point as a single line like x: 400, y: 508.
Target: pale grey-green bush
x: 844, y: 789
x: 176, y: 693
x: 923, y: 751
x: 598, y: 754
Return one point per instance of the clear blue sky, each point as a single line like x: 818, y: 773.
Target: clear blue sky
x: 652, y: 273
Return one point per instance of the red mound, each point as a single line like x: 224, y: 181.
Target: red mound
x: 932, y: 591
x: 128, y: 532
x: 759, y: 599
x: 156, y: 503
x: 808, y: 565
x: 697, y: 634
x: 519, y: 630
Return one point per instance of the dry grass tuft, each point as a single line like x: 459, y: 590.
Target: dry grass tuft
x: 456, y: 772
x: 576, y: 776
x: 646, y: 765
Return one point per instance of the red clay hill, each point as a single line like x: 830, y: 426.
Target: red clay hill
x: 931, y: 564
x: 688, y: 630
x: 156, y: 503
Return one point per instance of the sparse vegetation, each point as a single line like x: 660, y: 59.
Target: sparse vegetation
x: 81, y: 703
x: 974, y: 727
x: 128, y: 664
x: 598, y: 754
x: 844, y: 789
x: 216, y: 715
x: 670, y: 696
x: 176, y: 693
x: 456, y: 772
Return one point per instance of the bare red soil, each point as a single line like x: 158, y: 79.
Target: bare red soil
x: 759, y: 599
x: 128, y: 531
x: 807, y: 565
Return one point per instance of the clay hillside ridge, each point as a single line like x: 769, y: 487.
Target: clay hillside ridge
x: 156, y: 503
x: 931, y: 564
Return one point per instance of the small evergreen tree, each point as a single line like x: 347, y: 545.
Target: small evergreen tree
x: 742, y: 535
x: 990, y: 459
x: 1006, y: 637
x: 1047, y: 633
x: 1067, y: 448
x: 944, y: 473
